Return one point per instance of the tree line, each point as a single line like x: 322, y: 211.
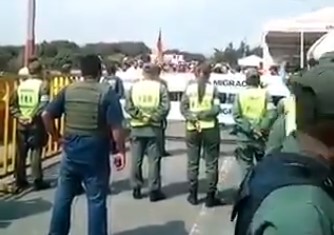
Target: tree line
x: 55, y: 54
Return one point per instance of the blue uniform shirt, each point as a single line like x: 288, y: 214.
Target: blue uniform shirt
x: 87, y: 149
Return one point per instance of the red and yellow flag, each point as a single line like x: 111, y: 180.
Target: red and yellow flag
x: 160, y: 56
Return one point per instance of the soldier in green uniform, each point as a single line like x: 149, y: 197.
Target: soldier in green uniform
x: 147, y: 103
x: 200, y: 107
x: 26, y: 106
x: 291, y: 191
x: 284, y: 123
x: 253, y: 113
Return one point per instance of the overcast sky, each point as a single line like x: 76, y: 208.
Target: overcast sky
x: 196, y: 25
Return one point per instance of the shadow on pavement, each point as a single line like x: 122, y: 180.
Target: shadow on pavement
x: 180, y: 188
x: 170, y: 228
x: 12, y: 209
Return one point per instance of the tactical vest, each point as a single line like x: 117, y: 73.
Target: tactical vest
x: 290, y: 114
x: 146, y: 97
x: 276, y: 171
x: 195, y: 106
x: 85, y: 113
x: 28, y: 96
x: 253, y: 104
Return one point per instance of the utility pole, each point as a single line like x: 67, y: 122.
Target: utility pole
x: 30, y: 49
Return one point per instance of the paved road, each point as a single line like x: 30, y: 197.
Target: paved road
x: 30, y: 214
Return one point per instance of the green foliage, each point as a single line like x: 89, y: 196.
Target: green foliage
x: 56, y: 53
x: 230, y: 54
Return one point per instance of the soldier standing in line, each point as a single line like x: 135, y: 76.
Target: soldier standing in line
x: 253, y: 113
x: 147, y: 104
x: 26, y: 106
x: 200, y: 106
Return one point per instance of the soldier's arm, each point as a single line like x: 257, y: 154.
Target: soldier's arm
x: 14, y: 105
x: 44, y: 98
x: 184, y: 108
x: 270, y: 116
x: 307, y: 220
x: 240, y: 122
x: 115, y: 120
x: 280, y: 106
x: 215, y: 110
x: 164, y: 107
x: 54, y: 110
x: 130, y: 108
x: 276, y: 135
x: 119, y: 88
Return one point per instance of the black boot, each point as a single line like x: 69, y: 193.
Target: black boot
x: 211, y: 200
x: 41, y: 185
x: 157, y: 195
x: 192, y: 197
x: 136, y: 193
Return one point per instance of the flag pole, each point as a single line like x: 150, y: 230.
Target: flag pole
x: 29, y: 49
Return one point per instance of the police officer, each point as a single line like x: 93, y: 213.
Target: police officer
x: 92, y: 111
x: 114, y: 81
x: 147, y: 104
x: 162, y: 139
x: 200, y: 106
x: 26, y: 105
x: 291, y: 191
x: 253, y: 113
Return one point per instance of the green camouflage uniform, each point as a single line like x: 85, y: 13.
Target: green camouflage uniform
x: 32, y: 136
x: 250, y: 146
x: 145, y: 139
x: 209, y: 140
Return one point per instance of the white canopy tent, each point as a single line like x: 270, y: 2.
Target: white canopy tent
x: 250, y: 61
x: 320, y: 47
x: 289, y: 39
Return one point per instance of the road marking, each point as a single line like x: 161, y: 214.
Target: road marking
x: 223, y: 172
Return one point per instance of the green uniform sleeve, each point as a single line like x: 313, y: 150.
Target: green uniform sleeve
x: 184, y: 108
x: 276, y: 135
x: 214, y: 111
x: 307, y: 220
x: 280, y: 107
x: 14, y: 105
x: 162, y: 111
x: 129, y: 107
x: 240, y: 122
x: 270, y: 116
x: 44, y: 97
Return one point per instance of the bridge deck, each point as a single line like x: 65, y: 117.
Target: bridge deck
x: 30, y: 214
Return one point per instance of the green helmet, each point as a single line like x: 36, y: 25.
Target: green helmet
x: 327, y: 58
x: 314, y: 96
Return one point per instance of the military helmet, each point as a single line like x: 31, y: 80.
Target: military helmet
x: 314, y: 96
x: 326, y: 58
x: 252, y: 77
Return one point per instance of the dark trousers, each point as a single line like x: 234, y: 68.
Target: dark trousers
x: 140, y: 146
x: 209, y: 140
x: 26, y: 142
x: 96, y: 182
x: 247, y: 154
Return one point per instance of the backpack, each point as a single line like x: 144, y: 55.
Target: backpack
x: 277, y: 170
